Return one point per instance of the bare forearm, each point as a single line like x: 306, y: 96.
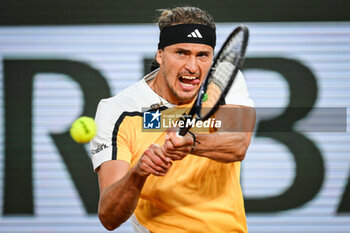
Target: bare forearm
x: 231, y: 141
x: 222, y: 146
x: 118, y: 202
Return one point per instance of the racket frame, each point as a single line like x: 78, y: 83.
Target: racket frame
x: 238, y: 65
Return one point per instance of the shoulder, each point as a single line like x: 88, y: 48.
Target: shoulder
x: 126, y: 100
x: 109, y: 117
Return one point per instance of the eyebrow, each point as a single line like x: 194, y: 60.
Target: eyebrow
x: 189, y: 51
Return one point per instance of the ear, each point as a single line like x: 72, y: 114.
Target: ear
x: 159, y: 56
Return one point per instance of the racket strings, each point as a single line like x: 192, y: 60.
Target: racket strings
x: 233, y: 49
x: 222, y: 74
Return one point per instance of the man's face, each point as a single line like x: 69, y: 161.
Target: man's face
x: 183, y: 68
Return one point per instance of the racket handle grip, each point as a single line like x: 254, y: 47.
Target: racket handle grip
x: 183, y: 131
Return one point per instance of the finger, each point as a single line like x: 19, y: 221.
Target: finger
x: 179, y: 141
x: 176, y: 153
x: 168, y: 149
x: 160, y: 152
x: 169, y: 145
x: 152, y: 171
x: 157, y: 165
x: 152, y: 160
x: 185, y: 149
x: 175, y: 157
x: 144, y: 169
x: 148, y: 158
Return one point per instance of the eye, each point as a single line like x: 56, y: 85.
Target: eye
x: 180, y: 52
x: 203, y: 56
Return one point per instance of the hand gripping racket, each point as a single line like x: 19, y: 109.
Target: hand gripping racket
x: 220, y: 77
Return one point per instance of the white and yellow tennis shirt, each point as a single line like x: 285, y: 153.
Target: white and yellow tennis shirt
x: 197, y: 194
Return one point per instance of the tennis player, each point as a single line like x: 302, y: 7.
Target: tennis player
x: 164, y: 182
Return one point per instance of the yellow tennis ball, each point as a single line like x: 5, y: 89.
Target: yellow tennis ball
x: 83, y: 129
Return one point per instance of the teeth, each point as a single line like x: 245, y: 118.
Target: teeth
x: 186, y: 84
x: 189, y: 77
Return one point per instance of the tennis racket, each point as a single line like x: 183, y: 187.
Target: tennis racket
x: 220, y: 77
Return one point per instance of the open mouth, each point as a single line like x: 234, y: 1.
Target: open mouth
x: 188, y: 82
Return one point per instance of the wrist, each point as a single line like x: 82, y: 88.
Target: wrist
x: 194, y: 141
x: 138, y: 174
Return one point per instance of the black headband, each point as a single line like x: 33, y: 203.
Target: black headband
x: 187, y: 33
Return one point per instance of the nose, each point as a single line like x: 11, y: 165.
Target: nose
x: 191, y: 65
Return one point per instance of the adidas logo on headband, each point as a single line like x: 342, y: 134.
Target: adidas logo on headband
x: 195, y: 34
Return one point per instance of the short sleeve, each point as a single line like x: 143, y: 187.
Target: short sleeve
x: 238, y: 94
x: 111, y: 138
